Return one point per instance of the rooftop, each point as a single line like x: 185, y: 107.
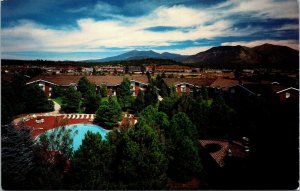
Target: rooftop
x: 194, y: 81
x: 72, y: 79
x: 218, y: 149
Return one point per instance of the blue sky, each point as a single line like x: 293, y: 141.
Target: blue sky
x: 92, y: 29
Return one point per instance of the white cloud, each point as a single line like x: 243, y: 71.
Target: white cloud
x: 92, y: 34
x: 265, y: 8
x: 290, y: 43
x: 126, y: 32
x: 289, y: 27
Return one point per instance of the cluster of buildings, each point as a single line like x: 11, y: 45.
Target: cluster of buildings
x: 112, y: 82
x: 215, y: 86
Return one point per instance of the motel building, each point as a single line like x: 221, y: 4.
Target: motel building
x: 137, y: 83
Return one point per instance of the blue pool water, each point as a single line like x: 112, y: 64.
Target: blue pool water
x: 79, y: 130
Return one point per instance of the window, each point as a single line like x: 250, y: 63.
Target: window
x: 113, y: 92
x: 42, y: 86
x: 183, y: 89
x: 287, y: 95
x: 232, y: 90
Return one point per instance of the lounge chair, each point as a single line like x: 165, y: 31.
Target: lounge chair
x: 73, y: 116
x: 65, y: 116
x: 82, y: 116
x: 69, y: 116
x: 77, y: 116
x: 87, y: 116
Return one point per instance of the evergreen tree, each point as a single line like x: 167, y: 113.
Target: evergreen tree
x: 173, y: 93
x: 17, y: 157
x: 204, y: 93
x: 139, y: 102
x: 164, y: 90
x: 198, y: 112
x: 103, y: 90
x: 53, y: 149
x: 221, y: 117
x: 124, y: 94
x: 71, y: 100
x: 148, y: 76
x: 57, y: 92
x: 108, y: 114
x: 84, y: 86
x: 10, y: 105
x: 183, y: 103
x: 167, y: 105
x: 143, y: 163
x: 155, y: 119
x: 90, y: 164
x: 184, y: 154
x: 151, y: 96
x: 35, y: 100
x: 92, y: 102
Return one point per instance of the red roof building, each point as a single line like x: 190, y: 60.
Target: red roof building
x: 285, y: 93
x: 112, y: 82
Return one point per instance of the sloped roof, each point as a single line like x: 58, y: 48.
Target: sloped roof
x: 219, y: 155
x: 224, y: 83
x: 71, y: 79
x: 279, y: 88
x: 57, y: 79
x: 193, y: 81
x: 7, y: 77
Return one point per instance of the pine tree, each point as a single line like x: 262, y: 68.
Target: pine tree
x: 124, y: 94
x: 108, y: 114
x: 103, y: 90
x: 71, y: 100
x: 143, y: 160
x: 139, y: 102
x: 90, y: 164
x: 92, y: 102
x: 184, y: 152
x: 84, y: 85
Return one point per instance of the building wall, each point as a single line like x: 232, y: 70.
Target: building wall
x: 111, y: 90
x: 47, y: 93
x: 289, y: 94
x: 179, y: 89
x: 136, y: 88
x: 108, y: 91
x: 188, y: 89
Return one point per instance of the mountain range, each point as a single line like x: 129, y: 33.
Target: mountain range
x: 264, y: 54
x: 137, y: 55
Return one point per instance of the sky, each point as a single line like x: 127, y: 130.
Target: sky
x: 94, y: 29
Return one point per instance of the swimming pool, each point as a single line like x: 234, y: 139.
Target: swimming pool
x: 79, y: 130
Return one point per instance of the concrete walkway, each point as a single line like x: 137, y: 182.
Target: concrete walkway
x: 56, y: 108
x: 55, y: 112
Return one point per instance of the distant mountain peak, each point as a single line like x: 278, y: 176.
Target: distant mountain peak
x: 265, y: 54
x: 141, y: 54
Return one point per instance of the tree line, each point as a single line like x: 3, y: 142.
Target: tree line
x: 18, y: 98
x: 163, y: 145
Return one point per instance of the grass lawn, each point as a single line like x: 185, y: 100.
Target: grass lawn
x: 58, y: 100
x: 209, y: 101
x: 80, y: 109
x: 106, y: 98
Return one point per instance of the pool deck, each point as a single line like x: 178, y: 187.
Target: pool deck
x: 41, y: 123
